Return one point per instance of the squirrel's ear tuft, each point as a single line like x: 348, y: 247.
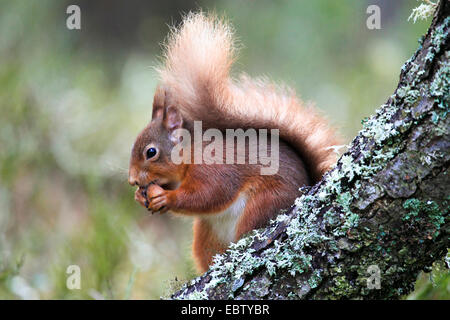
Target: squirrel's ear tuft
x: 158, y: 103
x: 172, y: 119
x: 157, y: 112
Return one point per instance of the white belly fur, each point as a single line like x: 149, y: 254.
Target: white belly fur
x: 224, y: 223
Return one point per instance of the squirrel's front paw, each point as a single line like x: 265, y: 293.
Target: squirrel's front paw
x: 158, y: 199
x: 141, y: 196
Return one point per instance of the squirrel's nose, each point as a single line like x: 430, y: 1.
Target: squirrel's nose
x: 132, y: 180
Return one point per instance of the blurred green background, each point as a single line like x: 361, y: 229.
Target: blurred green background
x: 72, y: 102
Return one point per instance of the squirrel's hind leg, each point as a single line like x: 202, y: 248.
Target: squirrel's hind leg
x: 205, y: 245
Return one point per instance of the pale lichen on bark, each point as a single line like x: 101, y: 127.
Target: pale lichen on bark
x: 385, y: 203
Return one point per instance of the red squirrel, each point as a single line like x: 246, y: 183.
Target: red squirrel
x: 226, y: 200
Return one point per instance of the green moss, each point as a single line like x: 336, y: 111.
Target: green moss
x: 440, y: 86
x: 408, y: 94
x: 414, y: 205
x: 331, y: 218
x: 341, y: 287
x: 378, y: 127
x: 315, y: 279
x: 198, y: 295
x: 439, y: 35
x: 426, y: 212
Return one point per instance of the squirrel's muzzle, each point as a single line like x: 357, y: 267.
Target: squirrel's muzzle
x: 133, y: 177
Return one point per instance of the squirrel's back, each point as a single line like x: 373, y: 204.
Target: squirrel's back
x: 196, y: 74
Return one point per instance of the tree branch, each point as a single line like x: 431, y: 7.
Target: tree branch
x: 383, y: 208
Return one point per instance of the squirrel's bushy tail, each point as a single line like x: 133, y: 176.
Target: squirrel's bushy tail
x: 196, y: 73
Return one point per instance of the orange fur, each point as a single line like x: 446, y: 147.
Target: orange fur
x: 205, y: 244
x: 227, y: 200
x: 198, y: 59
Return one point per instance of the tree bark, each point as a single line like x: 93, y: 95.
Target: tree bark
x: 380, y: 214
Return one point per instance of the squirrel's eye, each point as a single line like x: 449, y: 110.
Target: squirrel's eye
x: 151, y: 152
